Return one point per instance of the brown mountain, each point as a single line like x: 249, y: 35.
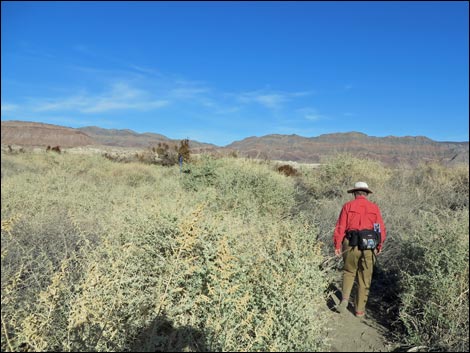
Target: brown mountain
x: 390, y: 149
x: 38, y: 134
x: 129, y: 138
x: 122, y: 138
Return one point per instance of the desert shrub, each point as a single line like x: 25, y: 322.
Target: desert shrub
x: 339, y: 173
x: 435, y: 274
x: 265, y: 290
x: 167, y: 155
x: 100, y: 256
x: 54, y: 149
x: 184, y: 150
x: 242, y: 185
x: 121, y: 158
x: 252, y: 187
x: 14, y: 166
x: 147, y: 157
x: 287, y: 170
x: 442, y: 186
x: 122, y: 257
x: 51, y: 226
x: 133, y: 175
x: 203, y: 173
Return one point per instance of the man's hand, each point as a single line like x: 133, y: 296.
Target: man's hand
x: 338, y: 252
x: 377, y: 251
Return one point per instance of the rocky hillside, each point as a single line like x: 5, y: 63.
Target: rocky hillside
x: 123, y: 138
x: 38, y: 134
x: 390, y: 149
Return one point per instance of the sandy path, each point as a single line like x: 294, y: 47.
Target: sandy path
x: 351, y: 334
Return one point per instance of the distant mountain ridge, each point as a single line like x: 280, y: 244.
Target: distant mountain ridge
x: 130, y: 138
x: 389, y: 149
x: 39, y: 134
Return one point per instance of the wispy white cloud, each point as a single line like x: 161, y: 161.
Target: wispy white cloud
x: 227, y: 110
x: 188, y: 92
x: 8, y: 107
x: 201, y: 94
x: 313, y: 117
x: 311, y: 114
x: 105, y: 105
x: 145, y: 70
x: 302, y: 93
x: 272, y: 101
x: 75, y: 102
x: 268, y: 99
x: 179, y: 88
x: 129, y: 68
x: 138, y: 88
x: 121, y: 96
x: 183, y: 91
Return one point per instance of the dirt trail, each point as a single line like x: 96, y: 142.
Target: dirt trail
x: 351, y: 334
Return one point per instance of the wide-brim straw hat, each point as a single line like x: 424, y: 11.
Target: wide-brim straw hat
x: 360, y: 186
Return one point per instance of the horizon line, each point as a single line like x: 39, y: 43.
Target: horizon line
x: 247, y: 137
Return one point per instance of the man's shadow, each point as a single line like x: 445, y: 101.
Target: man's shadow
x: 162, y: 336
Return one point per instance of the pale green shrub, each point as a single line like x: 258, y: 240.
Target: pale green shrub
x: 122, y: 257
x: 265, y: 291
x: 435, y: 278
x: 339, y: 173
x: 241, y: 185
x: 426, y: 255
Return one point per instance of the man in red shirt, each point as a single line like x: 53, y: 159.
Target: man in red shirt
x: 359, y: 214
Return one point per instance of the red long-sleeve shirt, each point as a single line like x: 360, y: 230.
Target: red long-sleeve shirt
x: 358, y: 214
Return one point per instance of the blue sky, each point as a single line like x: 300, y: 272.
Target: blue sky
x: 218, y: 72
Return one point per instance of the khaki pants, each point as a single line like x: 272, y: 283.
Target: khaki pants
x: 360, y: 263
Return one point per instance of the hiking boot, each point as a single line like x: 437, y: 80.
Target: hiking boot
x: 342, y: 307
x: 360, y: 314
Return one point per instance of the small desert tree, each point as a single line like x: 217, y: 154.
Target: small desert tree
x: 184, y: 150
x: 170, y: 154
